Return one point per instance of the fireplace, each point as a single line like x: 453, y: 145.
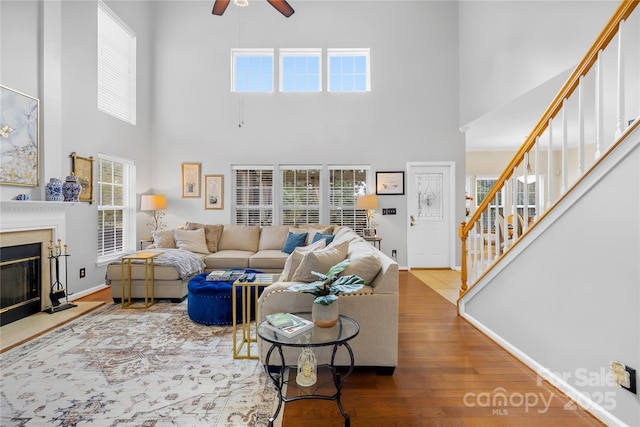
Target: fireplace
x: 20, y: 282
x: 34, y: 224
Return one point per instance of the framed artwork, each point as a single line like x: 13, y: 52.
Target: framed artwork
x: 20, y: 137
x: 213, y: 191
x: 390, y: 183
x: 191, y: 180
x: 82, y: 167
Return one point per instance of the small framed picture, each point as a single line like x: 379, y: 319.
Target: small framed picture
x: 390, y: 183
x: 82, y: 167
x: 214, y: 191
x: 191, y: 180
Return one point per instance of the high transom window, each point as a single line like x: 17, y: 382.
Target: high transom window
x: 252, y: 70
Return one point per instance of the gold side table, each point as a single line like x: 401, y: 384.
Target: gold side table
x: 247, y: 337
x: 149, y: 264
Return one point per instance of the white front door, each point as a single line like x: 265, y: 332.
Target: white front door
x: 429, y: 197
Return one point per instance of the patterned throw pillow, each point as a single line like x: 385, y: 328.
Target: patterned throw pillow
x: 163, y: 239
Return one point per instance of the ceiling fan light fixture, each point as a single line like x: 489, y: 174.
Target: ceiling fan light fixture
x: 241, y: 3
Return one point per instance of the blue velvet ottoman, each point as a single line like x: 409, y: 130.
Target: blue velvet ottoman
x: 210, y: 303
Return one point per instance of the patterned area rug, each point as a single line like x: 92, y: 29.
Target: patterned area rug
x: 117, y: 367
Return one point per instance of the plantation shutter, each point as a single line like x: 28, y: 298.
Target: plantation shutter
x: 345, y: 184
x: 300, y: 203
x: 253, y: 195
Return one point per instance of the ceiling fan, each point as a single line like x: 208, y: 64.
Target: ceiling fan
x: 219, y: 6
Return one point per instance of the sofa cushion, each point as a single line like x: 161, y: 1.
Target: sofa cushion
x: 318, y: 236
x: 268, y: 259
x: 212, y: 233
x: 223, y: 260
x: 294, y: 260
x: 366, y: 265
x: 312, y: 229
x: 293, y: 241
x: 163, y: 239
x: 240, y: 238
x: 191, y: 240
x: 320, y: 261
x: 273, y: 237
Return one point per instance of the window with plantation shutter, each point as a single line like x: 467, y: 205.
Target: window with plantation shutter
x: 116, y: 207
x: 116, y: 66
x: 345, y: 184
x: 300, y: 202
x: 253, y: 195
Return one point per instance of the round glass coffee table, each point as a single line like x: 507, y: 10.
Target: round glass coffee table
x: 336, y: 337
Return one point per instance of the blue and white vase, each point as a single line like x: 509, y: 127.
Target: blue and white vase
x: 71, y: 189
x: 54, y: 190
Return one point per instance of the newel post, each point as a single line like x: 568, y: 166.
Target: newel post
x: 463, y: 269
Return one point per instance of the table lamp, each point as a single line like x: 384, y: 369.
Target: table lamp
x: 370, y: 203
x: 156, y: 203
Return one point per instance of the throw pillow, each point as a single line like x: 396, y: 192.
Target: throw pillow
x: 320, y: 236
x: 366, y: 266
x: 294, y: 260
x: 293, y: 241
x: 163, y: 239
x: 191, y: 240
x: 320, y: 261
x: 212, y: 233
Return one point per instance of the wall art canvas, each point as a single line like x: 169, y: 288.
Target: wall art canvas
x: 19, y: 138
x: 214, y: 191
x: 83, y: 168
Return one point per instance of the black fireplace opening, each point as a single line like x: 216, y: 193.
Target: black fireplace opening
x: 20, y: 282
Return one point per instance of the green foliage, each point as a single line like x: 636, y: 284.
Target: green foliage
x: 329, y: 285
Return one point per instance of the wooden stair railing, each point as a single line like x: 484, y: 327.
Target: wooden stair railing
x: 485, y: 238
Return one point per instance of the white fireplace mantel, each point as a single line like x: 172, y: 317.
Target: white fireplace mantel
x: 18, y: 215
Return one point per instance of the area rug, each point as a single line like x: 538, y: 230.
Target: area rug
x: 117, y: 367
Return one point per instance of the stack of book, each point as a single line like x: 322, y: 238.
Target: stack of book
x: 287, y: 324
x: 224, y: 275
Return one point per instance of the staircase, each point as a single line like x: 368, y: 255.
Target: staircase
x: 559, y: 285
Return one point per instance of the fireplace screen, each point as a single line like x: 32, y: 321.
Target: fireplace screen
x: 20, y: 282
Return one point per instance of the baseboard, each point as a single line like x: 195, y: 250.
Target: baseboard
x: 76, y: 295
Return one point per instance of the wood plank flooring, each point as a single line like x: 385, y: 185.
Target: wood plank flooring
x: 446, y: 367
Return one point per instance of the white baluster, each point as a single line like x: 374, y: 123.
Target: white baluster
x: 565, y: 150
x: 537, y: 175
x: 580, y: 129
x: 550, y: 166
x: 621, y: 125
x: 525, y: 204
x: 599, y: 89
x: 514, y: 203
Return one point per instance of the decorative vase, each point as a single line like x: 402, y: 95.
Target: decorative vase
x: 54, y: 190
x: 325, y: 316
x: 71, y: 189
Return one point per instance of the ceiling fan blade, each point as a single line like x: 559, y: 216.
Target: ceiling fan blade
x: 219, y: 6
x: 281, y: 6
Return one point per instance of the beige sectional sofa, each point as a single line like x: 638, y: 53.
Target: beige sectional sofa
x: 218, y: 246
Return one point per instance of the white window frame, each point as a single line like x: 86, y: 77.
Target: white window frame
x: 336, y: 52
x: 116, y: 62
x: 349, y: 215
x: 261, y: 201
x: 262, y: 52
x: 311, y: 212
x: 128, y: 207
x: 301, y: 52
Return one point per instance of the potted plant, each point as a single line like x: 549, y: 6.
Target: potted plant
x: 324, y: 310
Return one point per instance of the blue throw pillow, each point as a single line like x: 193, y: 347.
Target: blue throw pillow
x: 327, y: 237
x: 293, y: 241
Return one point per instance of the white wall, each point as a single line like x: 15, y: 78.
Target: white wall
x: 410, y: 114
x: 582, y: 309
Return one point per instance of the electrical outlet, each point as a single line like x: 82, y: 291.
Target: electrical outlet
x: 82, y: 273
x: 394, y: 253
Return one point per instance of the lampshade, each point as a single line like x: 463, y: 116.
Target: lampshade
x: 153, y: 202
x: 370, y: 201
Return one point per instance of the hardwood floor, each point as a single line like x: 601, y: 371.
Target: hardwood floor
x: 448, y: 375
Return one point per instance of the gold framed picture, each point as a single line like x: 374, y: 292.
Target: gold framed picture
x: 214, y: 191
x: 82, y: 167
x: 191, y: 180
